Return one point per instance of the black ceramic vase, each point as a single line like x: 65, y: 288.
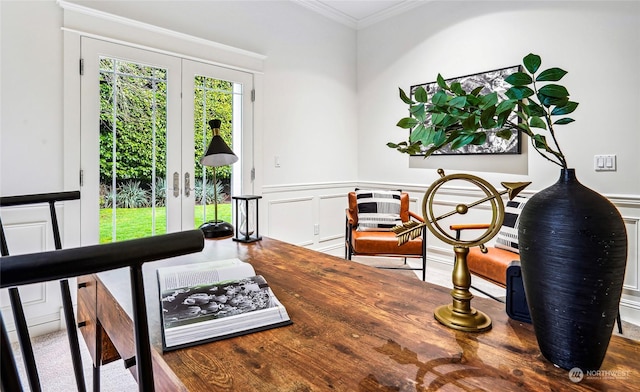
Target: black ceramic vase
x: 573, y: 250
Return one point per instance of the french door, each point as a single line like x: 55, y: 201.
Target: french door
x: 144, y: 119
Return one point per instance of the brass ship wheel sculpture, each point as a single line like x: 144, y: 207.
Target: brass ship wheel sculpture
x: 460, y: 315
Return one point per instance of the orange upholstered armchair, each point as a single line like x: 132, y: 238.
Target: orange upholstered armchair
x: 370, y: 216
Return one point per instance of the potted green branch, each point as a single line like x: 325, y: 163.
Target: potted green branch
x: 457, y: 118
x: 573, y: 241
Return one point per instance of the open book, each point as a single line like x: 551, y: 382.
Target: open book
x: 209, y: 301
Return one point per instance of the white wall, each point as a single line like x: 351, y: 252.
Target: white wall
x: 31, y: 96
x: 596, y: 42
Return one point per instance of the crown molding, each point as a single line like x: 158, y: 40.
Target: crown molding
x: 357, y: 24
x: 68, y: 6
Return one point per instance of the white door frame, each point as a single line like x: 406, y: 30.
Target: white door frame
x: 183, y: 207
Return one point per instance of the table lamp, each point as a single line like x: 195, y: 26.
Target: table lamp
x: 218, y: 154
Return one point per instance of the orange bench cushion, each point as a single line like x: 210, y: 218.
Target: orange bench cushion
x: 492, y: 265
x: 384, y: 243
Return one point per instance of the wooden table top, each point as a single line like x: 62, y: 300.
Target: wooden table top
x: 357, y: 328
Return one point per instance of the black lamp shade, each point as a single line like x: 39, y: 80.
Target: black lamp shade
x: 218, y: 153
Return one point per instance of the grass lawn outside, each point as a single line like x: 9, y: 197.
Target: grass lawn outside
x: 134, y: 223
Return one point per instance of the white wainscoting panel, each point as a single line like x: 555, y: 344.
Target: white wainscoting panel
x: 28, y: 230
x: 291, y: 220
x: 295, y: 210
x: 331, y: 206
x: 632, y: 277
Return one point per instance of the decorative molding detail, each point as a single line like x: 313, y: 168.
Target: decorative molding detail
x: 87, y: 22
x: 331, y: 238
x: 290, y: 200
x: 357, y: 24
x: 269, y: 189
x: 633, y: 237
x: 155, y: 29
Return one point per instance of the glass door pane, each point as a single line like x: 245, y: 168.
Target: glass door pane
x: 213, y: 99
x: 133, y: 150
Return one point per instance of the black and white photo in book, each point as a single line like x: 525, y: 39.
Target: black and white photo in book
x: 208, y: 301
x: 205, y: 302
x: 493, y: 81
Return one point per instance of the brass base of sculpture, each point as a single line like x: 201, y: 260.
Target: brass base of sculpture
x: 460, y: 315
x: 473, y: 321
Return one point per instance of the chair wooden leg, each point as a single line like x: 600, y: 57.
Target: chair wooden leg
x: 72, y: 335
x: 10, y: 380
x: 25, y: 340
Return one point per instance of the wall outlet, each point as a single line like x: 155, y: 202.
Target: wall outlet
x: 316, y: 229
x: 606, y: 162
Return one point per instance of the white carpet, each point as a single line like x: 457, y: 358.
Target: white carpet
x: 51, y: 352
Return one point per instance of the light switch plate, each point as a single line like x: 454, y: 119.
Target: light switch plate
x: 605, y: 162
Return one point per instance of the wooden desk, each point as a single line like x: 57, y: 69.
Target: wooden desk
x: 355, y: 328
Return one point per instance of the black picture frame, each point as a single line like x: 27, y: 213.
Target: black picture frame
x: 492, y: 81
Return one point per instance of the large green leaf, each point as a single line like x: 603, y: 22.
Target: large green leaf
x: 442, y: 83
x: 519, y: 79
x: 439, y: 138
x: 440, y: 98
x: 566, y: 109
x: 472, y: 100
x: 420, y: 133
x: 554, y: 90
x: 488, y: 100
x: 506, y: 105
x: 421, y: 95
x: 418, y: 108
x: 457, y: 88
x: 564, y: 120
x: 449, y: 120
x: 407, y: 122
x: 436, y: 118
x: 458, y: 102
x: 479, y: 138
x: 462, y: 141
x: 537, y: 122
x: 547, y: 100
x: 551, y: 75
x: 502, y: 118
x: 405, y: 98
x: 534, y: 109
x: 476, y: 91
x: 470, y: 124
x: 486, y: 118
x: 519, y: 92
x: 540, y: 141
x: 504, y: 134
x: 532, y: 62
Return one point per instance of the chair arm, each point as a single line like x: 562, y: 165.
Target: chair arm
x: 469, y: 226
x: 416, y: 216
x: 351, y: 220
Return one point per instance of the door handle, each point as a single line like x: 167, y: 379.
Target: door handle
x: 176, y: 184
x: 187, y: 184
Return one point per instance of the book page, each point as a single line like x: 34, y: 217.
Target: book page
x: 187, y: 305
x: 186, y: 275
